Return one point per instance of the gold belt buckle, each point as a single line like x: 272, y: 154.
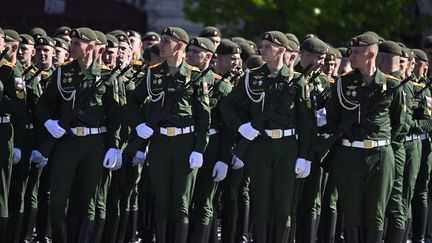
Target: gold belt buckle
x: 80, y: 131
x: 276, y: 133
x: 171, y: 131
x: 368, y: 144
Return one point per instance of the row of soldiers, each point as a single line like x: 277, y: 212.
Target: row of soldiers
x: 107, y: 135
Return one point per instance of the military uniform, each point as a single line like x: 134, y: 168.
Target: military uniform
x: 364, y: 161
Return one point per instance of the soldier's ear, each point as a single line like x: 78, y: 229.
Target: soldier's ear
x: 34, y: 52
x: 15, y: 46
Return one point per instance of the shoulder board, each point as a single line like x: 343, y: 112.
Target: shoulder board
x: 392, y: 77
x: 345, y: 74
x: 44, y: 73
x: 193, y: 68
x: 105, y: 67
x: 65, y: 63
x: 33, y: 70
x: 156, y: 65
x: 418, y: 84
x: 9, y: 64
x: 137, y: 62
x: 253, y: 69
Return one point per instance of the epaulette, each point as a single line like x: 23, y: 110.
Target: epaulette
x: 156, y: 65
x: 418, y: 84
x: 253, y: 69
x: 9, y: 64
x: 193, y: 68
x: 345, y: 74
x: 33, y: 70
x: 392, y: 77
x: 44, y: 73
x: 137, y: 63
x: 105, y: 67
x: 65, y: 63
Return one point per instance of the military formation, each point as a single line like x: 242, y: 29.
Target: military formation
x: 161, y: 137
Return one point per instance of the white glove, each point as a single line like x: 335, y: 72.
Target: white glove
x: 111, y: 158
x: 247, y: 131
x: 195, y: 160
x: 302, y: 168
x: 236, y: 163
x: 16, y: 156
x: 144, y: 131
x: 139, y: 158
x: 220, y: 171
x: 54, y: 129
x: 37, y: 158
x: 321, y: 117
x: 119, y: 160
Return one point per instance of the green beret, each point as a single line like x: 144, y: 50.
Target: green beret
x: 293, y: 37
x: 228, y: 47
x: 314, y: 45
x: 254, y: 61
x: 203, y: 43
x: 133, y: 33
x: 11, y: 35
x: 238, y: 39
x: 151, y: 36
x: 332, y: 54
x: 310, y: 35
x: 210, y: 31
x: 177, y: 33
x: 27, y: 39
x: 59, y: 42
x: 63, y: 30
x: 294, y: 47
x: 253, y: 45
x: 45, y: 41
x: 364, y: 40
x: 337, y: 53
x: 407, y: 53
x: 390, y: 47
x: 122, y: 37
x: 84, y: 33
x: 112, y: 41
x: 37, y: 32
x: 246, y: 51
x: 277, y: 38
x: 343, y: 51
x: 100, y: 38
x: 427, y: 42
x: 420, y: 55
x: 117, y: 32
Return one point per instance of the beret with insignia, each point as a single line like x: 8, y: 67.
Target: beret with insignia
x: 112, y: 41
x: 100, y: 38
x: 59, y: 42
x: 331, y: 54
x: 420, y: 55
x: 238, y: 39
x: 37, y: 32
x: 151, y: 36
x: 409, y: 53
x: 427, y: 42
x: 84, y: 33
x: 63, y: 30
x: 310, y: 35
x: 228, y: 47
x: 210, y: 31
x: 203, y: 43
x: 253, y: 45
x: 122, y: 37
x: 246, y: 51
x: 177, y: 33
x: 314, y: 45
x: 45, y: 41
x: 254, y: 61
x: 11, y: 35
x: 364, y: 40
x: 27, y: 39
x: 133, y: 33
x: 390, y: 47
x: 277, y: 38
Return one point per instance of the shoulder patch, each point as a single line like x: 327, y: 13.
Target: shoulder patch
x: 156, y: 65
x: 66, y: 63
x: 417, y: 84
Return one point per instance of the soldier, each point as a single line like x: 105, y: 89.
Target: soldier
x: 171, y: 175
x: 37, y: 32
x: 62, y: 50
x: 212, y: 33
x: 12, y: 116
x: 136, y: 44
x: 271, y: 202
x: 365, y: 159
x: 150, y: 38
x: 94, y: 132
x: 109, y: 57
x: 345, y: 65
x: 63, y: 32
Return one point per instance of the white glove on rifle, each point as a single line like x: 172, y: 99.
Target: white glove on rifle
x: 144, y: 131
x: 119, y: 160
x: 220, y: 171
x: 39, y: 160
x: 16, y: 157
x: 321, y: 117
x: 111, y: 158
x: 195, y: 160
x: 302, y: 168
x: 236, y: 163
x: 139, y: 158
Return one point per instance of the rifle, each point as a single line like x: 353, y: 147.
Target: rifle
x: 237, y: 72
x: 64, y: 121
x: 324, y: 148
x: 39, y: 71
x: 270, y: 113
x: 161, y: 114
x: 428, y: 84
x: 142, y: 68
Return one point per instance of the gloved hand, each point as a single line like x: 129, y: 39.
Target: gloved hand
x: 54, y: 129
x: 111, y: 158
x: 16, y: 158
x: 139, y: 158
x: 119, y: 163
x: 247, y: 131
x: 220, y: 171
x: 302, y: 168
x: 144, y: 131
x: 39, y: 160
x: 236, y: 163
x: 195, y: 160
x: 321, y: 117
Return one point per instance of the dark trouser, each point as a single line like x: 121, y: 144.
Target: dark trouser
x: 327, y: 224
x: 77, y: 160
x: 6, y: 148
